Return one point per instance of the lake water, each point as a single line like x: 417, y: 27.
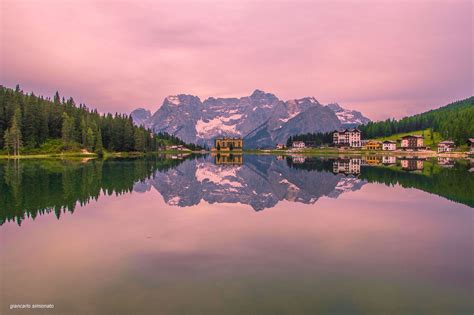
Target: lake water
x: 238, y: 235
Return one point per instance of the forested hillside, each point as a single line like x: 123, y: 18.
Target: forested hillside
x: 30, y: 123
x: 454, y: 121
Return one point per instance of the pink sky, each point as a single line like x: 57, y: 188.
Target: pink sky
x: 385, y: 58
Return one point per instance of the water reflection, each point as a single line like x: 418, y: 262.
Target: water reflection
x: 29, y: 188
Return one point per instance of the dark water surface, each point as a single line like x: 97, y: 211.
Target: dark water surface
x: 238, y: 235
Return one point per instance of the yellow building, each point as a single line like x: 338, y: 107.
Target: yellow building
x: 373, y: 145
x: 228, y: 159
x: 228, y: 144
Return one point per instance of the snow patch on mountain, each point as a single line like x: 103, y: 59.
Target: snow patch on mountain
x: 173, y: 99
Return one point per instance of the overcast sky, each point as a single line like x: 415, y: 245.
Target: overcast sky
x: 384, y: 58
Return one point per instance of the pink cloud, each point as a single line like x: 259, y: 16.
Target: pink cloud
x: 383, y: 58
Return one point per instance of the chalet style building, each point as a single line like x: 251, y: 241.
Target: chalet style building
x: 412, y: 142
x: 228, y: 144
x: 445, y: 146
x: 347, y: 138
x: 280, y: 146
x: 389, y: 145
x: 470, y: 142
x: 298, y: 145
x: 373, y: 145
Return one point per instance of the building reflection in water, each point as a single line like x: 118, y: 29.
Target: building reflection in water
x: 412, y: 164
x: 228, y: 159
x: 389, y: 160
x: 445, y: 161
x: 347, y: 166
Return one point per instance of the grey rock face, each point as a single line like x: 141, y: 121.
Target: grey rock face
x: 348, y: 118
x: 261, y: 182
x: 140, y: 116
x: 261, y: 119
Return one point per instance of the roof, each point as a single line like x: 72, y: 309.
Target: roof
x: 471, y: 140
x: 348, y: 130
x: 390, y: 141
x: 412, y: 136
x: 227, y: 138
x: 446, y: 142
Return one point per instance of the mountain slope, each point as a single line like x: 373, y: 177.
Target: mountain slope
x: 261, y: 118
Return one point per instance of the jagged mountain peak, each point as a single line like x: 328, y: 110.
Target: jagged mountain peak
x: 335, y: 107
x: 180, y: 99
x: 261, y: 118
x: 257, y: 93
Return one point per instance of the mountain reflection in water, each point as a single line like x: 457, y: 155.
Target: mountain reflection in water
x: 29, y: 188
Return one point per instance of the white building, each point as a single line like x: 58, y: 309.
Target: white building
x: 298, y: 145
x: 445, y: 146
x: 347, y: 166
x: 347, y: 138
x: 389, y: 160
x: 389, y: 145
x: 280, y: 146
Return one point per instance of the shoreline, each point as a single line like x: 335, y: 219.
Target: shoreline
x: 333, y: 152
x: 305, y: 152
x: 90, y: 155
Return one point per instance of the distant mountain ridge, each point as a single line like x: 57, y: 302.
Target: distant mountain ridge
x: 261, y: 118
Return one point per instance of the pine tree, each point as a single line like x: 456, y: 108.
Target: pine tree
x: 14, y: 133
x: 67, y: 130
x: 8, y: 141
x: 89, y: 139
x: 98, y: 144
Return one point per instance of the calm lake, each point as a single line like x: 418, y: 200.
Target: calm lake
x: 245, y: 234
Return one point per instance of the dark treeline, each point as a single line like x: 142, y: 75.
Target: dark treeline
x: 32, y: 187
x: 37, y: 124
x: 455, y: 184
x: 454, y: 121
x: 311, y: 164
x: 444, y: 182
x: 312, y: 139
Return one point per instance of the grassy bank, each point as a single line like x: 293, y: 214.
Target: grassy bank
x: 81, y: 154
x: 430, y: 140
x: 339, y: 152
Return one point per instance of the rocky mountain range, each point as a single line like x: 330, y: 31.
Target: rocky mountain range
x: 261, y: 182
x: 262, y: 119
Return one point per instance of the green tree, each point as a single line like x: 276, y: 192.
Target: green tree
x: 67, y: 130
x: 89, y: 139
x: 99, y: 147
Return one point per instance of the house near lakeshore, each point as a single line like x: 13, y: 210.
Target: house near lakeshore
x: 446, y: 146
x: 389, y: 145
x: 228, y: 145
x: 373, y: 145
x: 177, y: 148
x: 280, y: 146
x: 298, y: 145
x: 412, y: 142
x: 347, y: 138
x: 470, y: 142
